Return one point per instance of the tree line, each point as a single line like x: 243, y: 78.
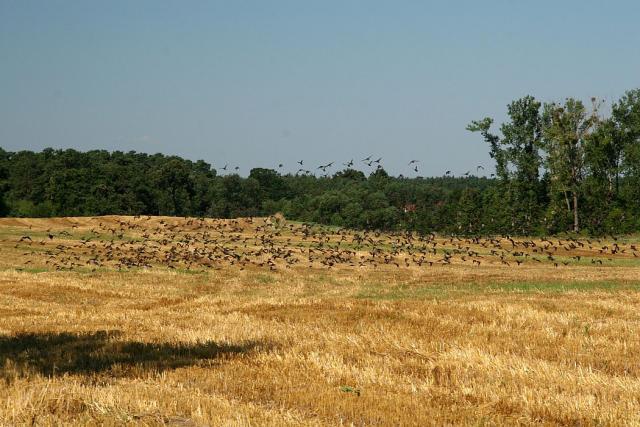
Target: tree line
x: 564, y: 166
x: 559, y: 167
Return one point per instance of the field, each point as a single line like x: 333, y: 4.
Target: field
x: 193, y: 322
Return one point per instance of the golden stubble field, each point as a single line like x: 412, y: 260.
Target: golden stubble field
x: 188, y: 322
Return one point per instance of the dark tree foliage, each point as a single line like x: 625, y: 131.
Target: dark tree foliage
x: 72, y: 183
x: 518, y: 163
x: 4, y: 175
x: 552, y: 168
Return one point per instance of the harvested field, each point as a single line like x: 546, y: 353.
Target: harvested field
x: 188, y: 322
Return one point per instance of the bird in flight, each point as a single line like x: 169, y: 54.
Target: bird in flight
x: 300, y: 162
x: 366, y: 159
x: 413, y: 161
x: 349, y: 163
x: 325, y: 167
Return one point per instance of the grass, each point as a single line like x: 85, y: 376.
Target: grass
x: 434, y: 345
x: 265, y: 279
x: 585, y: 286
x: 382, y: 291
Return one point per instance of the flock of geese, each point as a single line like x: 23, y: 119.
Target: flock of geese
x: 369, y: 161
x: 272, y: 243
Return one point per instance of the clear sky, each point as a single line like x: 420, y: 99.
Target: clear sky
x: 257, y: 83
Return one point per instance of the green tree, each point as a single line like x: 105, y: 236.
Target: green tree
x: 518, y: 160
x: 566, y: 128
x: 174, y: 186
x: 350, y: 174
x: 272, y: 186
x: 468, y: 212
x: 603, y: 157
x: 626, y: 115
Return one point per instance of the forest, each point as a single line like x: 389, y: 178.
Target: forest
x: 559, y: 167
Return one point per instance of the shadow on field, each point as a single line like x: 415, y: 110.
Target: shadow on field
x: 53, y: 354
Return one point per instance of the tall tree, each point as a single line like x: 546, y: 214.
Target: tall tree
x: 518, y: 160
x: 626, y: 115
x: 603, y: 156
x: 566, y: 128
x: 175, y: 186
x: 4, y: 174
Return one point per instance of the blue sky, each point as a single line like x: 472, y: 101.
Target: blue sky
x: 257, y: 83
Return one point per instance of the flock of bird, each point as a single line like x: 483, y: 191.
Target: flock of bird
x: 369, y: 161
x: 272, y: 243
